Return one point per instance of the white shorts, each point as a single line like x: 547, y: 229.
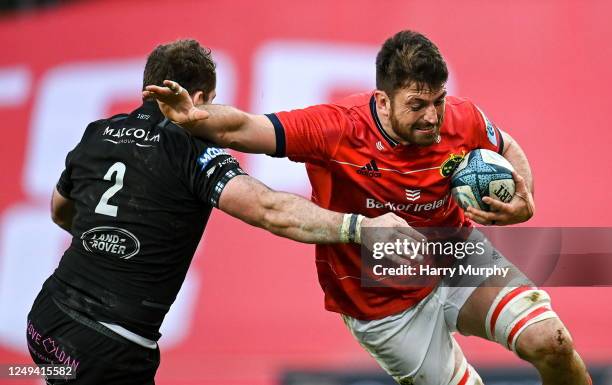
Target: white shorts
x: 416, y: 346
x: 416, y: 343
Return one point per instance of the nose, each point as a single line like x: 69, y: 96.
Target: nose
x: 431, y: 115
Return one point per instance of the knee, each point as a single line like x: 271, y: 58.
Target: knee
x: 546, y: 343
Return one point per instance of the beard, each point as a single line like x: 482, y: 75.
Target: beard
x: 419, y: 133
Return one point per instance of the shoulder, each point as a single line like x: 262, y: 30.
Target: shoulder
x: 342, y: 106
x: 105, y: 123
x: 350, y: 109
x: 461, y: 110
x: 355, y: 100
x: 112, y: 120
x: 180, y: 138
x: 460, y: 104
x: 97, y: 127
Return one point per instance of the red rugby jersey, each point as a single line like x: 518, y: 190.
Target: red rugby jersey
x: 355, y: 167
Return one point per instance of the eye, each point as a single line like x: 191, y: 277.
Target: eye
x: 416, y: 106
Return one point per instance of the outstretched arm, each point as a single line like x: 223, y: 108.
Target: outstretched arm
x: 224, y: 125
x: 294, y: 217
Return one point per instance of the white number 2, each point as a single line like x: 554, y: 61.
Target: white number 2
x: 103, y: 207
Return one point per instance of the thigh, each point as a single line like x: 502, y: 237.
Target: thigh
x: 468, y: 298
x: 471, y: 315
x: 415, y: 346
x: 97, y: 354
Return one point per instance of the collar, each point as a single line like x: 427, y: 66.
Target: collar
x: 392, y: 142
x: 151, y: 108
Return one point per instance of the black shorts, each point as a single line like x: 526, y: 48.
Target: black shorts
x: 58, y: 335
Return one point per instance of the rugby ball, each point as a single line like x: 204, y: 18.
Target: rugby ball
x: 482, y: 173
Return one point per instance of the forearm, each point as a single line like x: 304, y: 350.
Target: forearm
x: 232, y: 128
x: 224, y: 125
x: 284, y: 214
x: 516, y: 156
x: 219, y: 126
x: 296, y: 218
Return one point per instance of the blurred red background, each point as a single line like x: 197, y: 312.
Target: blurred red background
x: 251, y: 305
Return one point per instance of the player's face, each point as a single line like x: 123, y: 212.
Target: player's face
x: 416, y: 115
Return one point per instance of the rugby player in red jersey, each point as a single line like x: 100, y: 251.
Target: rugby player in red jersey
x: 394, y: 149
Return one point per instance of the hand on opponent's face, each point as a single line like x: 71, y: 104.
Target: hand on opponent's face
x: 175, y: 103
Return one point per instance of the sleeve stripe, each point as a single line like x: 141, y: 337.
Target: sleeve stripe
x: 221, y: 183
x: 501, y: 141
x: 487, y: 122
x: 279, y: 132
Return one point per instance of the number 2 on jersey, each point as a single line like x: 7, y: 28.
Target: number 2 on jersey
x: 103, y: 207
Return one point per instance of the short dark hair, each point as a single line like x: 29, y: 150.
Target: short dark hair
x: 409, y: 58
x: 185, y: 62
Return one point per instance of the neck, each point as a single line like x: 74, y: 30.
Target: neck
x: 385, y: 122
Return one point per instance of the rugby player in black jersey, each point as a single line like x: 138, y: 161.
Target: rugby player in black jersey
x: 136, y: 194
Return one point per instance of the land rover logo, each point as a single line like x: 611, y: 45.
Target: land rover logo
x: 111, y: 241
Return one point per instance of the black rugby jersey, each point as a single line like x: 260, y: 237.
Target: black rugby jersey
x: 143, y: 190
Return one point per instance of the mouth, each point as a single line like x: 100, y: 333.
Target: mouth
x: 426, y: 129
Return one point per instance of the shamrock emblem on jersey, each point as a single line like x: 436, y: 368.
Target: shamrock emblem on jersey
x: 450, y: 164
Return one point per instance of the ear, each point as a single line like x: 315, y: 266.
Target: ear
x: 201, y: 98
x: 383, y: 103
x: 198, y: 98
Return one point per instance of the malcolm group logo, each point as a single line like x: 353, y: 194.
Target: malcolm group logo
x: 370, y: 169
x: 130, y: 135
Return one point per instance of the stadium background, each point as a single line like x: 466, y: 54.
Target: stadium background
x: 251, y: 308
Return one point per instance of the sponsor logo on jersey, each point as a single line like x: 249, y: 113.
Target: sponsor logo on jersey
x: 370, y: 169
x: 224, y: 162
x: 450, y: 164
x: 111, y: 242
x: 413, y: 195
x: 210, y: 171
x: 140, y: 136
x: 209, y: 154
x: 372, y: 203
x: 228, y: 161
x: 380, y: 146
